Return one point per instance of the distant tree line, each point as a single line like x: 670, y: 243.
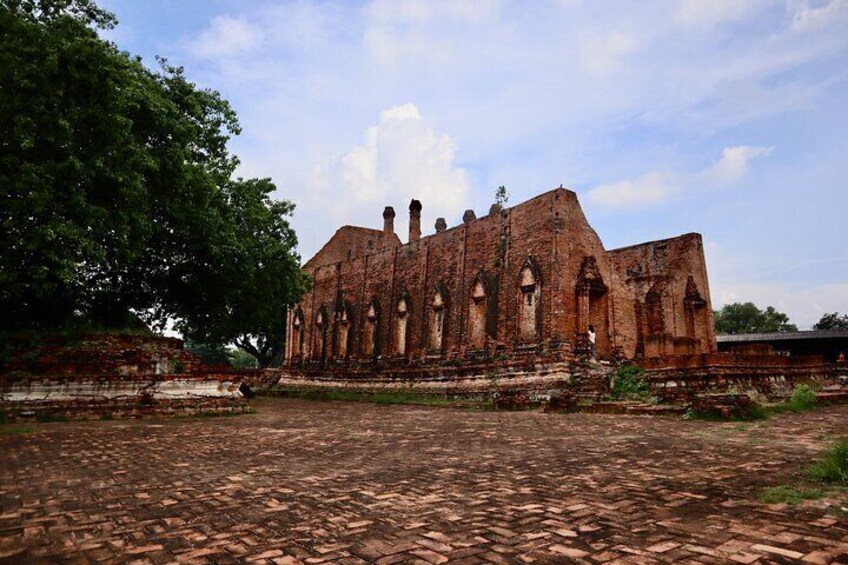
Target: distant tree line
x: 743, y: 318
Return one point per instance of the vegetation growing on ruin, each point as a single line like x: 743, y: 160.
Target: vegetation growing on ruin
x: 398, y: 396
x: 630, y: 384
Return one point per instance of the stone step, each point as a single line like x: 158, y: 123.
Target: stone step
x: 832, y: 397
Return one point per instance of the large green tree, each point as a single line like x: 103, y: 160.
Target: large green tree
x: 739, y: 318
x: 118, y: 196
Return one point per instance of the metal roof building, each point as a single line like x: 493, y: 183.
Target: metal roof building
x: 828, y: 343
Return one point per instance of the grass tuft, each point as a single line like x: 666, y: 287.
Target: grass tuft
x: 789, y: 495
x: 833, y: 465
x: 398, y: 396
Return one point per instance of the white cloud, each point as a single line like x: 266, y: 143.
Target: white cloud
x: 399, y: 159
x: 426, y: 11
x: 706, y: 13
x: 602, y: 56
x: 649, y: 188
x: 734, y: 163
x: 831, y: 13
x: 225, y: 37
x: 657, y: 187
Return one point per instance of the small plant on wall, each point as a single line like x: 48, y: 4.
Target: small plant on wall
x: 630, y: 384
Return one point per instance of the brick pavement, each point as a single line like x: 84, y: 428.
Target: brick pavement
x: 326, y: 482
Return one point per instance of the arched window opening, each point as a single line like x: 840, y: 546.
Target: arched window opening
x: 437, y: 319
x: 369, y: 339
x: 529, y: 304
x: 402, y: 318
x: 320, y: 344
x: 477, y: 315
x: 297, y: 334
x: 343, y: 331
x: 694, y: 307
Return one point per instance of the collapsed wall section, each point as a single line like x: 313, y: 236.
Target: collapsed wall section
x: 662, y: 298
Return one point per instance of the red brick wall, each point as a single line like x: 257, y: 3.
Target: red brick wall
x: 549, y: 234
x: 662, y: 268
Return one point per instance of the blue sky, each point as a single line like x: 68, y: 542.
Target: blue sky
x: 725, y: 117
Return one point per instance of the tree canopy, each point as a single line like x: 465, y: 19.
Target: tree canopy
x: 119, y: 201
x: 739, y: 318
x: 834, y: 321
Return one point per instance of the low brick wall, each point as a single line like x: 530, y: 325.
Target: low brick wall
x: 114, y: 376
x: 471, y: 380
x: 682, y: 378
x: 118, y: 396
x: 722, y: 405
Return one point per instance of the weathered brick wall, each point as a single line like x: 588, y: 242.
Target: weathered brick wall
x: 115, y: 375
x: 546, y: 278
x: 98, y: 354
x: 651, y: 282
x: 684, y: 376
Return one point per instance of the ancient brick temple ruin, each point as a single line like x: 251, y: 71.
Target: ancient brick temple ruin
x: 521, y: 283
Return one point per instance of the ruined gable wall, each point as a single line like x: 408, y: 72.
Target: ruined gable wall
x: 576, y: 241
x: 350, y: 242
x: 650, y: 282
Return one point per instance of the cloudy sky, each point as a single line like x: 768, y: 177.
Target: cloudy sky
x: 725, y: 117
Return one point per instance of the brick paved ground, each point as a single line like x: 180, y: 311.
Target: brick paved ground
x: 330, y: 482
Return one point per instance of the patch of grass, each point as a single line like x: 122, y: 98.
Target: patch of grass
x: 803, y: 398
x: 630, y: 384
x: 107, y: 416
x: 45, y: 418
x: 214, y: 414
x: 833, y: 465
x: 789, y: 495
x: 14, y: 430
x: 752, y: 413
x: 399, y: 396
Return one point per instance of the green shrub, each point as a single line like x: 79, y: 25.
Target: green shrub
x: 803, y: 398
x: 630, y: 384
x: 833, y: 466
x: 749, y: 413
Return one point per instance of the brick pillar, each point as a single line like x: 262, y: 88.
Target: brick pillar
x: 389, y: 220
x: 414, y: 220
